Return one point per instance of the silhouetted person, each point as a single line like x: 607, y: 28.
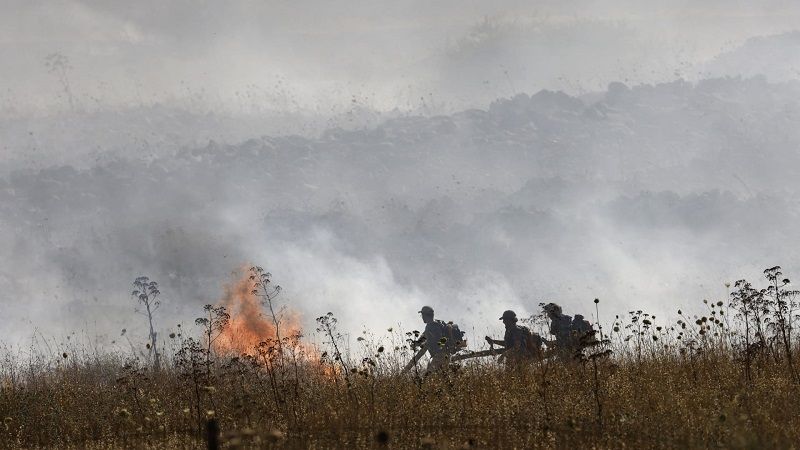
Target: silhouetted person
x: 583, y: 334
x: 580, y: 325
x: 519, y: 342
x: 560, y: 329
x: 440, y: 340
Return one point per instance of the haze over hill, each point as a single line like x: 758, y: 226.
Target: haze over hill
x: 639, y: 168
x: 653, y: 194
x: 776, y: 56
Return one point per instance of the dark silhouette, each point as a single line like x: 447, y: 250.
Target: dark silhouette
x: 520, y: 344
x: 567, y: 331
x: 440, y: 339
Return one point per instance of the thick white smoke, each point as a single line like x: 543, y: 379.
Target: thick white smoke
x: 385, y: 161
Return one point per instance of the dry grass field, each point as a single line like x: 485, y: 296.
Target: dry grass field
x: 724, y: 379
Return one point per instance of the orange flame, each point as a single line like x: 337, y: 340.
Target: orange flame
x: 250, y: 324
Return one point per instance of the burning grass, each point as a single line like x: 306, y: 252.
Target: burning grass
x: 248, y: 325
x: 721, y: 379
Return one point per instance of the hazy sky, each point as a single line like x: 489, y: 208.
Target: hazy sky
x: 388, y: 53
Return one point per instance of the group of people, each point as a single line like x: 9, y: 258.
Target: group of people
x: 442, y: 340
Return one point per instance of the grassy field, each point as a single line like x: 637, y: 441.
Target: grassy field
x: 725, y: 378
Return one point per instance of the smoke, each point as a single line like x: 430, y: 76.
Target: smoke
x: 387, y: 160
x: 360, y: 291
x: 316, y: 55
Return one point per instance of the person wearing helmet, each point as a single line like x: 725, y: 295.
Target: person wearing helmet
x: 519, y: 342
x: 560, y: 328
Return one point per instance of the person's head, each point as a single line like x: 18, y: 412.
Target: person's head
x: 552, y: 310
x: 427, y: 314
x: 509, y: 318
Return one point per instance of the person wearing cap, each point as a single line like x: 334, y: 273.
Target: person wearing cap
x: 431, y: 342
x: 519, y: 342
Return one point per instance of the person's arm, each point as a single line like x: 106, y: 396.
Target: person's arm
x: 423, y: 342
x: 495, y: 341
x: 416, y: 358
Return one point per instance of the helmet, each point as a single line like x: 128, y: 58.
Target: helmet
x: 552, y: 308
x: 427, y: 310
x: 509, y: 314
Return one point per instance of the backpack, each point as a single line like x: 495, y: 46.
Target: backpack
x: 561, y: 328
x: 583, y: 332
x: 533, y: 342
x: 581, y: 325
x: 453, y: 337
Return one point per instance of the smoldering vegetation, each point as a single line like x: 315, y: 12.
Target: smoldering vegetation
x: 723, y: 377
x: 651, y: 194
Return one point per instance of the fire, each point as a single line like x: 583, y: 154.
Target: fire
x: 250, y: 323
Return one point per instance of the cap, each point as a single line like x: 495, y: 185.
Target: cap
x: 508, y: 315
x: 426, y: 310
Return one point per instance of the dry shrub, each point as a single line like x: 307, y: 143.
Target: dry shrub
x: 703, y: 381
